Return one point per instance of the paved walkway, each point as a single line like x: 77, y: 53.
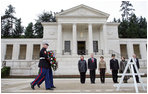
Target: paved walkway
x: 66, y: 86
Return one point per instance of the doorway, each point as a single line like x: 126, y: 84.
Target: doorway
x: 81, y: 48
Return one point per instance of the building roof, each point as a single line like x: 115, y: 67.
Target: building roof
x: 82, y: 10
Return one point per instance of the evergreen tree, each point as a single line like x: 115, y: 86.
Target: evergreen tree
x: 5, y: 31
x: 133, y: 27
x: 29, y: 32
x: 127, y: 9
x: 44, y: 17
x: 7, y: 22
x: 114, y: 20
x: 122, y: 29
x: 142, y: 27
x: 38, y: 29
x: 18, y: 29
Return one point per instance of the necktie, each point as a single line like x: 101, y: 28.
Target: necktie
x: 92, y: 60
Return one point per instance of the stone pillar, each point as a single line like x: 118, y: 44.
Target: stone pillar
x: 29, y: 52
x: 130, y: 49
x: 15, y: 52
x: 105, y: 40
x: 41, y: 46
x: 59, y: 40
x: 74, y: 35
x: 143, y: 51
x: 3, y: 51
x: 90, y: 37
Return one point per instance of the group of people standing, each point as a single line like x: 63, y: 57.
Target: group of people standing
x: 114, y: 67
x: 45, y: 71
x: 92, y: 66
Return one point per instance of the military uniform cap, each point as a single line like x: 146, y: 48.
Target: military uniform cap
x: 45, y: 43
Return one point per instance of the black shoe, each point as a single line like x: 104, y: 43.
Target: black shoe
x: 53, y: 87
x: 125, y: 81
x: 32, y: 86
x: 38, y: 86
x: 138, y: 82
x: 49, y: 89
x: 102, y: 82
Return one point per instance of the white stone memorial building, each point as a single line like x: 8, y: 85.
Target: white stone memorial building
x: 80, y: 30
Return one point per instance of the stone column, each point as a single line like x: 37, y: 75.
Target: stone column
x: 143, y: 51
x: 105, y: 40
x: 15, y: 52
x: 90, y: 37
x: 130, y: 49
x: 74, y: 35
x: 59, y: 40
x: 41, y: 45
x: 3, y: 51
x: 29, y: 52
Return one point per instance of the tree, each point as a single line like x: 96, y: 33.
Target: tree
x: 131, y: 26
x: 44, y: 17
x: 122, y: 29
x: 18, y: 29
x: 5, y: 31
x: 10, y: 25
x: 7, y: 21
x: 9, y: 15
x: 126, y: 8
x: 38, y: 30
x: 134, y: 28
x: 142, y: 27
x: 10, y: 10
x: 29, y: 32
x: 114, y: 20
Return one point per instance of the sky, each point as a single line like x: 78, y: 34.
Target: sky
x: 28, y: 10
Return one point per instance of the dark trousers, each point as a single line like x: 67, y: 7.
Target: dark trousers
x: 50, y: 78
x: 82, y: 77
x: 92, y: 75
x: 115, y: 75
x: 43, y: 73
x: 137, y: 78
x: 102, y: 75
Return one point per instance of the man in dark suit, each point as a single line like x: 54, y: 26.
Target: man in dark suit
x: 138, y: 66
x: 114, y: 66
x: 92, y: 66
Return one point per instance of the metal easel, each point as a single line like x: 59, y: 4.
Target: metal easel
x: 135, y: 84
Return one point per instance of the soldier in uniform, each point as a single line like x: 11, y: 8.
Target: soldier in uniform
x: 50, y: 79
x: 44, y: 65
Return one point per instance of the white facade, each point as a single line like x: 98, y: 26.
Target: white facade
x: 77, y: 31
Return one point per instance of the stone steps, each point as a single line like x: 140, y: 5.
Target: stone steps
x: 67, y: 65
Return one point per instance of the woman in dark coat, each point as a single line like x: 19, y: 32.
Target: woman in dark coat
x: 123, y: 63
x: 82, y: 66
